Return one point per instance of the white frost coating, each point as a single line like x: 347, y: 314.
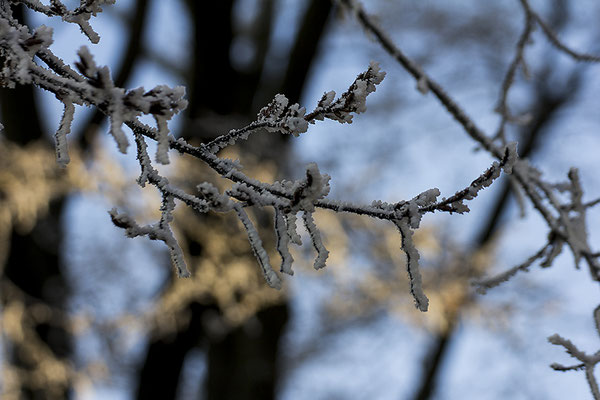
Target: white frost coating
x: 81, y: 16
x: 409, y: 210
x: 116, y: 121
x: 41, y: 39
x: 315, y: 187
x: 277, y: 116
x: 376, y: 75
x: 360, y: 94
x: 483, y: 181
x: 295, y: 122
x: 315, y: 237
x: 588, y: 361
x: 412, y: 266
x: 84, y: 25
x: 233, y: 136
x: 280, y: 103
x: 261, y: 198
x: 292, y: 229
x: 283, y: 241
x: 414, y: 216
x: 257, y: 248
x: 427, y: 197
x: 60, y: 138
x: 162, y: 149
x: 274, y: 110
x: 167, y: 207
x: 162, y: 102
x: 556, y: 339
x: 149, y: 174
x: 147, y: 170
x: 95, y: 87
x: 484, y: 284
x: 218, y: 201
x: 87, y: 66
x: 469, y: 193
x: 354, y: 100
x: 160, y: 231
x: 327, y: 99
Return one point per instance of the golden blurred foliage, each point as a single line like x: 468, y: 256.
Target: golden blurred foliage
x: 224, y: 270
x: 383, y: 285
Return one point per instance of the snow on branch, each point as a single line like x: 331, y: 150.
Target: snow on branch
x: 91, y: 85
x: 257, y: 248
x: 412, y: 266
x: 587, y: 361
x: 484, y: 284
x: 454, y: 204
x: 80, y: 15
x: 317, y: 242
x: 279, y: 116
x: 567, y: 222
x: 354, y: 100
x: 283, y: 241
x: 288, y: 198
x: 62, y: 150
x: 553, y: 37
x: 160, y: 231
x: 568, y: 227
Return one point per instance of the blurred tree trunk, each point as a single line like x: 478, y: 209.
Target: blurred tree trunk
x: 33, y: 264
x: 243, y: 363
x: 33, y: 269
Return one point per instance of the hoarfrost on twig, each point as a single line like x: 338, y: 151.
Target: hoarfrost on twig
x: 93, y: 85
x: 317, y: 242
x: 257, y: 248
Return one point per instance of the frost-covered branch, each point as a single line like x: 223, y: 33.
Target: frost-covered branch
x: 484, y: 284
x: 531, y: 20
x: 160, y: 231
x: 569, y: 230
x: 509, y: 78
x: 79, y: 16
x: 567, y: 221
x: 588, y: 362
x: 280, y: 116
x: 257, y: 248
x: 553, y: 37
x: 91, y: 85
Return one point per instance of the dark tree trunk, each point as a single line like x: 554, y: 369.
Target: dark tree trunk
x: 33, y: 266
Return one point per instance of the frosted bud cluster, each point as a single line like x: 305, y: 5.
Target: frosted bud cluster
x: 283, y: 118
x: 354, y: 100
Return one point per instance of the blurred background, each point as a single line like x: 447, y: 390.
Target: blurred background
x: 86, y: 313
